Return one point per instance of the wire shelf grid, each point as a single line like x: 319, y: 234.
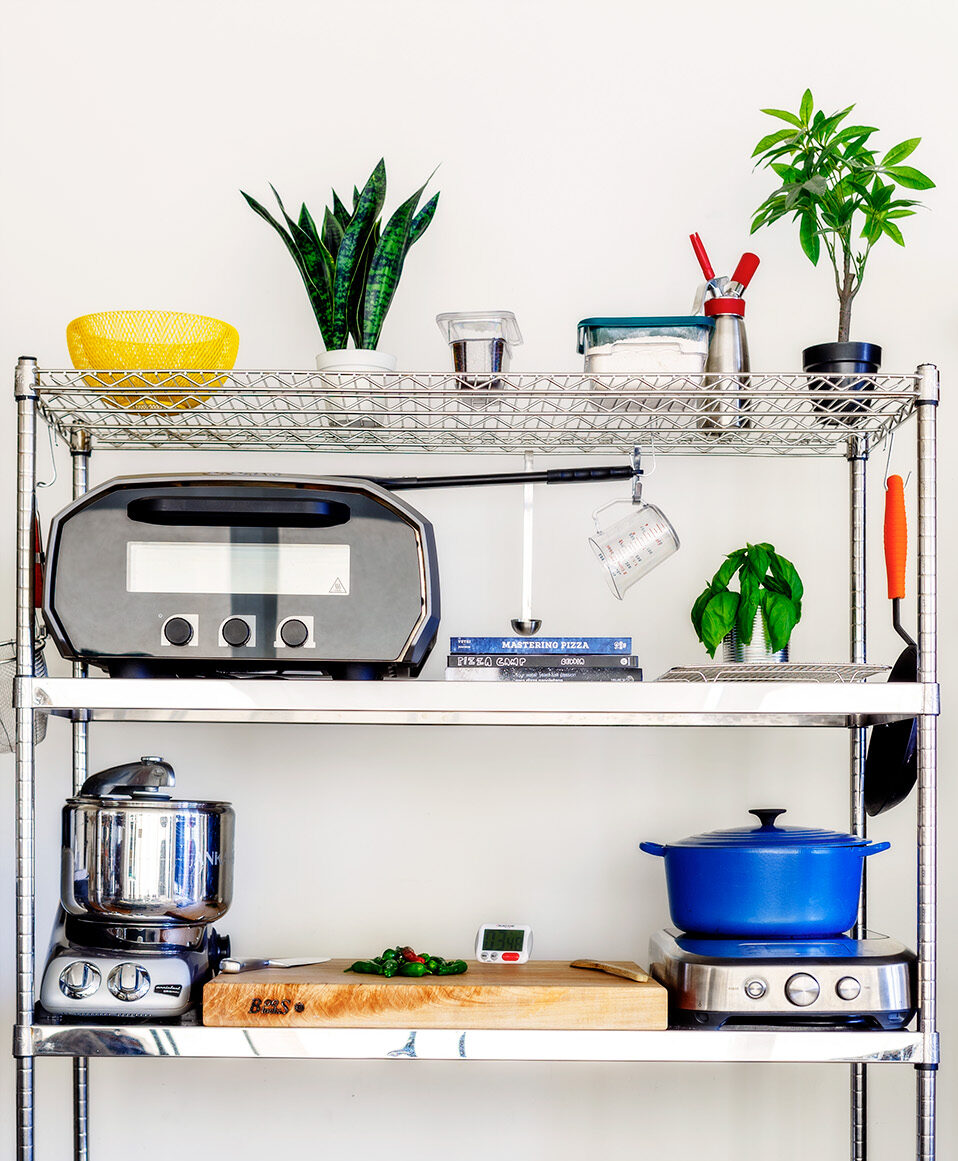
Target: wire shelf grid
x: 756, y: 414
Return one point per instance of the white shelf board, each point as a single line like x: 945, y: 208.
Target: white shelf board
x: 787, y: 1045
x: 419, y: 702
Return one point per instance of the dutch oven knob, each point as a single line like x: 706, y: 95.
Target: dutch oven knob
x: 767, y: 817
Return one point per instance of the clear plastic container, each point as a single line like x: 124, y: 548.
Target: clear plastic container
x: 669, y: 345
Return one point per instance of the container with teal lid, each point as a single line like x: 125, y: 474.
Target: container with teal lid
x: 644, y: 345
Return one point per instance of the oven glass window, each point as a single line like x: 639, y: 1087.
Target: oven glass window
x: 297, y: 569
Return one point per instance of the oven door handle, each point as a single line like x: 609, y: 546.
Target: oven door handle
x: 246, y: 511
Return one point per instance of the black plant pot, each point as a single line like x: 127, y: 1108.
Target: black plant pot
x: 844, y: 363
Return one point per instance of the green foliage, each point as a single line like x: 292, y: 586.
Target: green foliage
x: 767, y: 581
x: 838, y: 191
x: 351, y: 266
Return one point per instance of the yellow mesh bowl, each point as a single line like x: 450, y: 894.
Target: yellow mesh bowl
x: 115, y: 339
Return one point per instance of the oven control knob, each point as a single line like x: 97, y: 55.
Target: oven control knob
x: 79, y: 979
x: 236, y: 632
x: 848, y: 988
x: 293, y: 633
x: 129, y: 982
x: 755, y: 988
x: 802, y: 989
x: 178, y: 631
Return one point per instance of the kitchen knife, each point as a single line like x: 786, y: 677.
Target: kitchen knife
x: 232, y: 966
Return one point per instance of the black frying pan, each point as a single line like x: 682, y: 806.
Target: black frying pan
x: 891, y: 765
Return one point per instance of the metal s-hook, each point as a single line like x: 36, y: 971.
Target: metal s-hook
x: 51, y: 432
x: 891, y: 444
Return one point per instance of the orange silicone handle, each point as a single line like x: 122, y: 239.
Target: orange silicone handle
x: 896, y: 536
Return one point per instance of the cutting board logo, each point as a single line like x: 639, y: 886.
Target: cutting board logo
x: 271, y: 1006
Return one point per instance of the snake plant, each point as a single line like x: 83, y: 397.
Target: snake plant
x: 351, y: 265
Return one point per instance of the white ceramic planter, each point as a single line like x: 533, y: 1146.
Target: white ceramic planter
x: 344, y: 368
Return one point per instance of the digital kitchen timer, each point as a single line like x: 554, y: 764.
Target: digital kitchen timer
x: 503, y: 943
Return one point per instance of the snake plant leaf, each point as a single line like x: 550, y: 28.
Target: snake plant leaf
x: 319, y: 295
x: 421, y: 221
x: 340, y: 213
x: 387, y: 266
x: 357, y: 287
x: 368, y: 209
x: 306, y: 223
x: 355, y: 197
x: 332, y: 233
x: 316, y: 266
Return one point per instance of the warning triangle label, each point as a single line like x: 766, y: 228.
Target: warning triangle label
x: 338, y: 586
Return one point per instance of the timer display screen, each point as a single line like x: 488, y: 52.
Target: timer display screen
x: 497, y: 939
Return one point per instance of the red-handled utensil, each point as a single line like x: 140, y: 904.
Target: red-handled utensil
x: 742, y: 275
x: 891, y: 765
x: 702, y: 256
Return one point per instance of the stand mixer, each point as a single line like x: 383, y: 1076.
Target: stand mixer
x: 143, y: 876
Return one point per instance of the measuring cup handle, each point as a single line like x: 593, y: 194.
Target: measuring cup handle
x: 603, y: 507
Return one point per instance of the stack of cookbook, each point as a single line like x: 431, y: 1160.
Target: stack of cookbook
x: 542, y: 659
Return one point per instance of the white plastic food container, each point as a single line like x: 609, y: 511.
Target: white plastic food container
x: 670, y: 345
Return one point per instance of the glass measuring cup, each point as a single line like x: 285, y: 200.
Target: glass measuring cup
x: 631, y: 547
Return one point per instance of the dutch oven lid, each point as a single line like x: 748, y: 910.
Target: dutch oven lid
x: 768, y: 834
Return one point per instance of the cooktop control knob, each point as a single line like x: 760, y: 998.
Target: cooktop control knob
x: 293, y: 633
x: 236, y: 632
x: 79, y: 979
x: 129, y: 981
x: 848, y: 988
x: 178, y: 631
x: 755, y: 988
x: 802, y: 989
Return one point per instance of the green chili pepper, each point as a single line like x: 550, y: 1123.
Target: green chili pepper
x: 390, y: 967
x: 453, y: 967
x: 389, y: 953
x: 433, y: 962
x: 411, y: 968
x: 365, y: 967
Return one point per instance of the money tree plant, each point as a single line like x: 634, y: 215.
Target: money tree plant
x: 766, y: 581
x: 838, y: 190
x: 351, y: 264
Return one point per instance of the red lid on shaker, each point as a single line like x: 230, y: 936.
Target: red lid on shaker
x: 715, y: 306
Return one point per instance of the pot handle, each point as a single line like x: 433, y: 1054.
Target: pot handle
x: 653, y: 849
x: 147, y: 776
x: 874, y: 849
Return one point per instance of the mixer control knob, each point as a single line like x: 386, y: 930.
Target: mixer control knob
x: 236, y: 632
x: 178, y: 631
x: 294, y: 633
x: 848, y: 988
x: 129, y: 982
x: 79, y: 979
x: 802, y: 989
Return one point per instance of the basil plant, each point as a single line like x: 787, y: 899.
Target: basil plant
x: 766, y: 581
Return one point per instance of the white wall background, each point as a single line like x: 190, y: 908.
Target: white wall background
x: 579, y: 145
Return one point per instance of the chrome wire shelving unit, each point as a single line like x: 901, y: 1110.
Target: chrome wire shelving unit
x: 546, y: 414
x: 762, y: 415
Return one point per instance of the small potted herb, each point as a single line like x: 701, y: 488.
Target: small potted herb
x: 843, y: 197
x: 351, y: 265
x: 769, y: 601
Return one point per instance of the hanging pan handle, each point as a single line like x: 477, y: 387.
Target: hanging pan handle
x: 896, y: 549
x: 896, y: 537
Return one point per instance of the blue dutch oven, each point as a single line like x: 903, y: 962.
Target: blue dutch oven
x: 768, y: 880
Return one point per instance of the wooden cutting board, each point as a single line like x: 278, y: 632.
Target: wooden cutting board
x: 539, y: 994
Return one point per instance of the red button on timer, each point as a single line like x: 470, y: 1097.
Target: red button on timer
x: 510, y: 955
